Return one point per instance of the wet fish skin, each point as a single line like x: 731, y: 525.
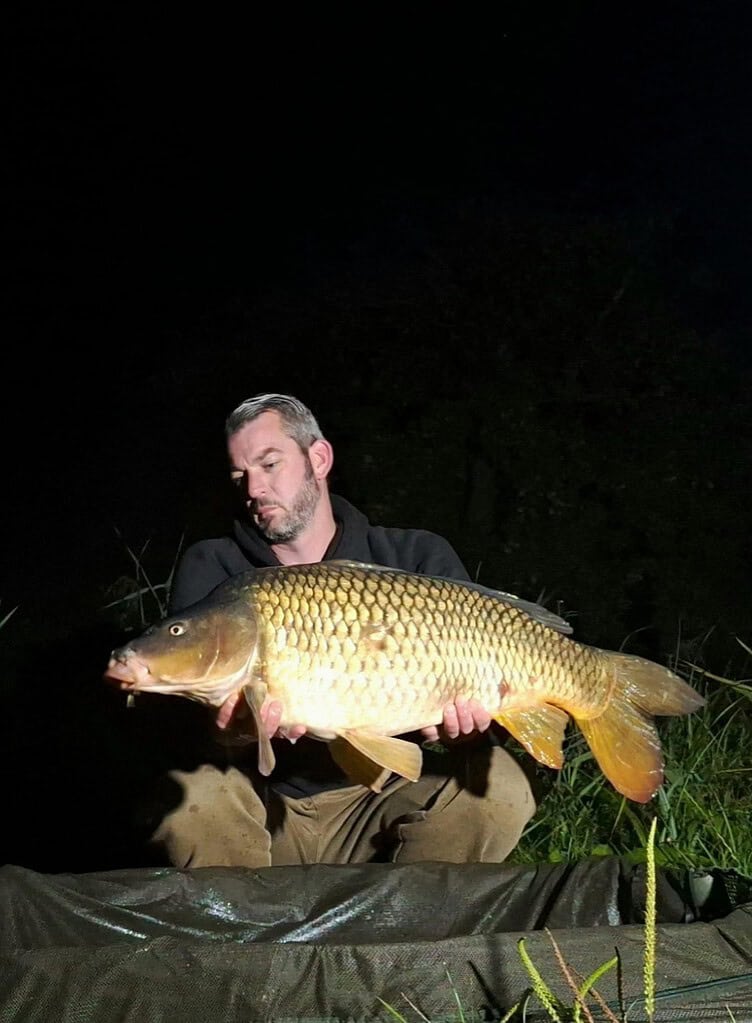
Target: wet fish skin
x: 360, y: 654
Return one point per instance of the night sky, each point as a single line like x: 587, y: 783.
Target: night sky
x: 200, y: 211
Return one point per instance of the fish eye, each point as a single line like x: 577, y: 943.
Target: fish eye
x: 177, y: 629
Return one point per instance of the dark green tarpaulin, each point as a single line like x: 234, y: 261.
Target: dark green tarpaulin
x: 327, y: 942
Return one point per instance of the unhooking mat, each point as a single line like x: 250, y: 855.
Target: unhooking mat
x: 337, y: 942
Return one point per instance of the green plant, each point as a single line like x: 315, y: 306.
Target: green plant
x: 137, y: 600
x: 4, y: 620
x: 702, y: 809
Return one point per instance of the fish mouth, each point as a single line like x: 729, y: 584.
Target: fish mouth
x: 127, y: 672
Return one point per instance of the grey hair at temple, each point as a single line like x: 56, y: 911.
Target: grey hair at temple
x: 297, y: 419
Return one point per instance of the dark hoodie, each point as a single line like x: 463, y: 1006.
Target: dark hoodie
x: 209, y: 562
x: 306, y: 767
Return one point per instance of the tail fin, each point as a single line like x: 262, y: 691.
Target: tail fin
x: 623, y: 738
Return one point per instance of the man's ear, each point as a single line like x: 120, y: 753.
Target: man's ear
x: 322, y: 458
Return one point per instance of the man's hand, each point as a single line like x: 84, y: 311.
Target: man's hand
x: 463, y: 720
x: 235, y: 714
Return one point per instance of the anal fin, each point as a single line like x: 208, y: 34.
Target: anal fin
x: 359, y: 769
x: 368, y: 759
x: 539, y: 729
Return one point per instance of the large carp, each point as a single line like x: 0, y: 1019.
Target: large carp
x: 360, y: 654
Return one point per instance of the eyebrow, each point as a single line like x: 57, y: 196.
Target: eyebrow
x: 260, y: 457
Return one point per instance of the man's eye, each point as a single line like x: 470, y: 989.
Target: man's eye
x: 236, y: 480
x: 269, y: 465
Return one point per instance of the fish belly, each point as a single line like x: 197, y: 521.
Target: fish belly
x: 329, y: 696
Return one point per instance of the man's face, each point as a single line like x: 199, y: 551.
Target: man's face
x: 275, y: 477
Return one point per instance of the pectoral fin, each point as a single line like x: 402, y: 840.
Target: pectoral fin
x: 255, y: 693
x: 540, y: 730
x: 368, y: 759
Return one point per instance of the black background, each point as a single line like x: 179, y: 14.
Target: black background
x: 505, y: 260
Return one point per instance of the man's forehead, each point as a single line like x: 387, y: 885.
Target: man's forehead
x: 263, y: 433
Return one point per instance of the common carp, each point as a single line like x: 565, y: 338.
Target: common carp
x: 360, y: 654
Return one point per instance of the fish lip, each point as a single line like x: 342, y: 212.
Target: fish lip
x: 126, y: 671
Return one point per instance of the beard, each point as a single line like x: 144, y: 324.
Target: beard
x: 298, y: 516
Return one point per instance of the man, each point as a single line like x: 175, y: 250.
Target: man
x: 470, y: 803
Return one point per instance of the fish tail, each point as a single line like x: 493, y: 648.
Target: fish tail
x: 623, y: 738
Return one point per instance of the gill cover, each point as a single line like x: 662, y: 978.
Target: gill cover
x: 205, y: 652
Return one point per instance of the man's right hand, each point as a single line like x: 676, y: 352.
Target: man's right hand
x: 463, y: 720
x: 235, y: 714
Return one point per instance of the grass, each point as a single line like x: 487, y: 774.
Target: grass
x: 135, y: 600
x: 703, y: 808
x: 6, y: 617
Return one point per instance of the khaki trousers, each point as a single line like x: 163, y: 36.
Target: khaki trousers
x: 227, y: 817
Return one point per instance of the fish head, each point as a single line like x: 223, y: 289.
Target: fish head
x: 204, y: 653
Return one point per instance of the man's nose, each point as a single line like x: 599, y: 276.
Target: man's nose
x: 254, y: 485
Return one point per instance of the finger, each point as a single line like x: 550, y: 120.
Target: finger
x: 450, y: 721
x: 272, y: 717
x: 481, y: 718
x: 225, y: 712
x: 465, y: 722
x: 430, y: 733
x: 295, y: 733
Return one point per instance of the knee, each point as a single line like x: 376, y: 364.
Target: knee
x: 210, y: 817
x: 213, y: 793
x: 502, y: 781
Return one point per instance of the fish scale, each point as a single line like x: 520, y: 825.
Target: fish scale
x: 440, y: 641
x: 360, y: 654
